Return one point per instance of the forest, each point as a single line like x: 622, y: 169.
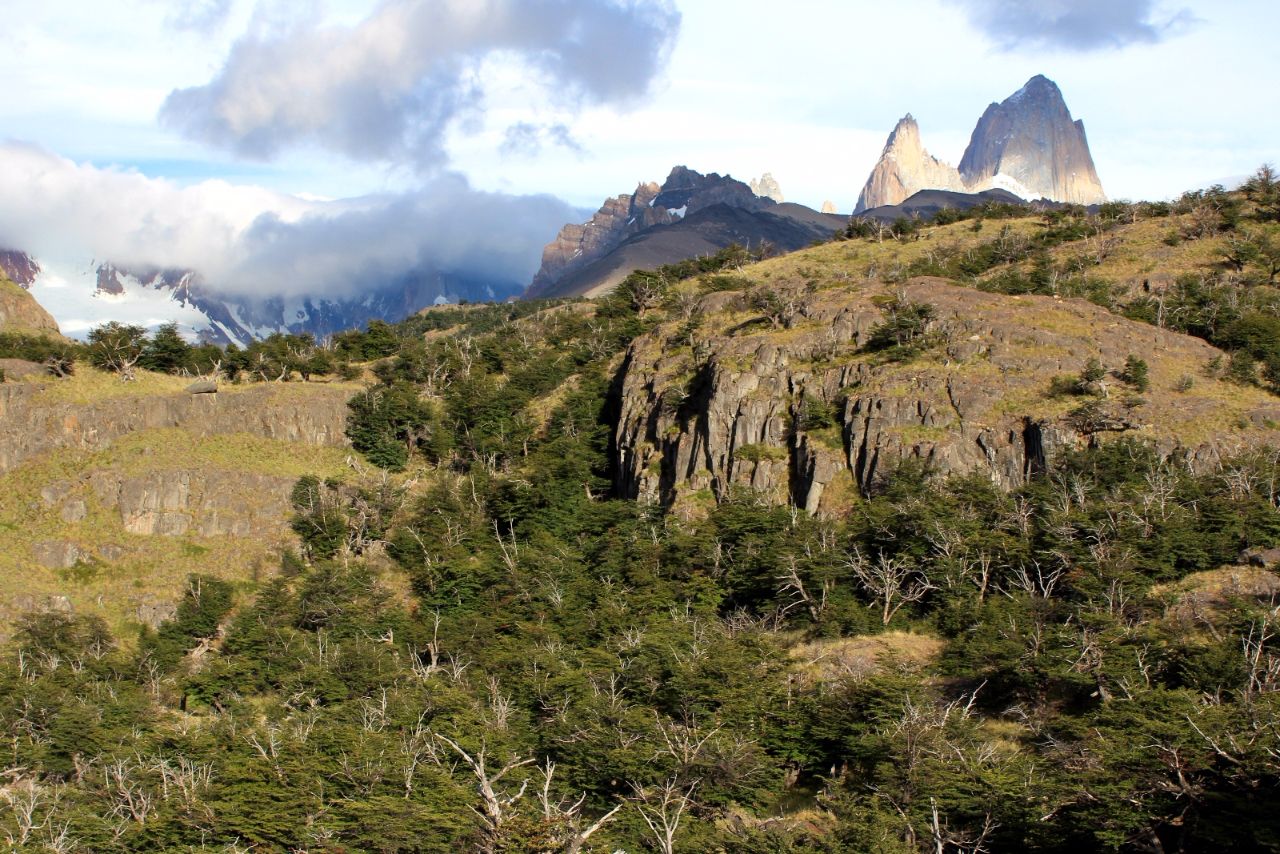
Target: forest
x: 477, y: 646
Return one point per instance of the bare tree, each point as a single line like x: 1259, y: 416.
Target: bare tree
x: 566, y: 817
x: 662, y: 807
x: 893, y: 582
x: 496, y: 806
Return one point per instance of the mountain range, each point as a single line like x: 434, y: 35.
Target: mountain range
x: 1025, y: 148
x: 1027, y: 144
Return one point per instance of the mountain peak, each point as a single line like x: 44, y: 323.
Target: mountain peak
x: 1028, y: 144
x: 1031, y: 142
x: 904, y: 168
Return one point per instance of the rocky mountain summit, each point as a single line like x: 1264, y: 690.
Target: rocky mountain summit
x: 689, y: 214
x: 906, y: 167
x: 797, y: 408
x: 1028, y: 144
x: 767, y: 186
x: 18, y: 267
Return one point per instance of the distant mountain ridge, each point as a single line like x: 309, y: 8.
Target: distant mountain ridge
x: 101, y: 291
x: 690, y: 214
x: 1027, y: 144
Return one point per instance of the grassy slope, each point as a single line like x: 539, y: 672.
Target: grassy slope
x: 152, y: 567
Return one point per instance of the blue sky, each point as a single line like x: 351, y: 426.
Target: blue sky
x: 579, y: 99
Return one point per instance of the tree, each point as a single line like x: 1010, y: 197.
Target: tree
x: 1136, y: 373
x: 388, y: 423
x: 166, y: 352
x: 893, y: 582
x: 116, y: 347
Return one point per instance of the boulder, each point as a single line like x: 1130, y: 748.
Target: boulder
x: 203, y: 387
x: 1260, y: 557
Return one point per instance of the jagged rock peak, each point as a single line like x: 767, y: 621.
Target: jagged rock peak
x: 1030, y: 144
x: 767, y: 187
x: 1027, y: 144
x: 829, y: 207
x: 684, y: 192
x: 18, y: 267
x: 905, y: 168
x: 577, y: 245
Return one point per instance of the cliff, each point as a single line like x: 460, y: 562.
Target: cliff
x: 905, y: 168
x: 35, y: 421
x: 737, y: 408
x: 110, y: 495
x: 1027, y: 144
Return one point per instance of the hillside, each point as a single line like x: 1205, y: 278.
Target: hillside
x: 945, y: 536
x: 112, y: 493
x: 19, y: 312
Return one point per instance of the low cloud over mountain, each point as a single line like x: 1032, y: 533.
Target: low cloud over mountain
x: 249, y: 241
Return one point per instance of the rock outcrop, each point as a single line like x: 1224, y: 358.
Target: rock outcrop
x: 33, y: 426
x: 905, y: 168
x: 1028, y: 144
x: 829, y: 207
x: 767, y: 187
x: 19, y: 312
x: 802, y: 414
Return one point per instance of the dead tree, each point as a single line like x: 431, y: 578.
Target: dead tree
x: 892, y: 582
x: 495, y: 807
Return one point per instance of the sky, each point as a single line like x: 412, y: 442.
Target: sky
x: 288, y: 145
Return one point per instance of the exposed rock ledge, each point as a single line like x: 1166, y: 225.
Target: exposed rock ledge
x: 31, y: 424
x: 726, y: 411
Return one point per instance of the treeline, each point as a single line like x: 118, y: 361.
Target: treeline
x: 126, y: 348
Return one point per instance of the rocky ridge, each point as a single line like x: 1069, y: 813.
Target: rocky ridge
x: 1027, y: 144
x: 683, y: 193
x: 18, y: 267
x: 35, y: 425
x: 735, y: 409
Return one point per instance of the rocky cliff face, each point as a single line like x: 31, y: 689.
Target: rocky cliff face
x: 683, y: 193
x: 905, y: 168
x: 19, y: 312
x: 1028, y: 144
x: 737, y: 409
x: 578, y: 245
x: 33, y: 426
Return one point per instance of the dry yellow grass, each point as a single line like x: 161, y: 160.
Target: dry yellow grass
x: 857, y: 657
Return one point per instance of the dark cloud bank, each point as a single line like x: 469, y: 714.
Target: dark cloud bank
x: 1077, y: 25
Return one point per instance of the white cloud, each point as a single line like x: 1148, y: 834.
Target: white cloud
x: 250, y: 241
x: 389, y: 88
